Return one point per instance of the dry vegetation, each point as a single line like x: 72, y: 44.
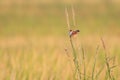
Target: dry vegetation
x: 34, y: 38
x: 45, y: 58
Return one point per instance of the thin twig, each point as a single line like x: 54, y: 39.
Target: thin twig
x: 73, y: 15
x: 74, y: 52
x: 84, y: 63
x: 107, y: 63
x: 67, y: 18
x: 75, y: 59
x: 99, y: 72
x: 94, y: 62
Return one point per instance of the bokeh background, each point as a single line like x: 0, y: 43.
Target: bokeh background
x: 34, y: 34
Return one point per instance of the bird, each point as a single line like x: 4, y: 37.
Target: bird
x: 73, y: 32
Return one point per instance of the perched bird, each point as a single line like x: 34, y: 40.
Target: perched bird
x: 73, y: 32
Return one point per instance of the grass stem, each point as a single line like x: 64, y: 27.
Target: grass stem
x: 75, y: 59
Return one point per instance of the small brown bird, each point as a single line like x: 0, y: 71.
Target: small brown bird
x: 73, y: 32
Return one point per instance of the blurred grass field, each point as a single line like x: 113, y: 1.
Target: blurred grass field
x: 33, y: 38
